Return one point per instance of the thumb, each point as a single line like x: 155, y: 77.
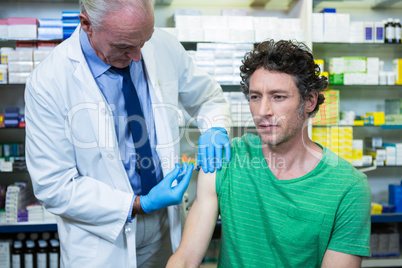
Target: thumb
x: 182, y: 186
x: 172, y: 175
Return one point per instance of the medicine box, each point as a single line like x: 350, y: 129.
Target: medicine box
x: 395, y: 197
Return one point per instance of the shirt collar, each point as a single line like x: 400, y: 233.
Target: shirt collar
x: 96, y: 65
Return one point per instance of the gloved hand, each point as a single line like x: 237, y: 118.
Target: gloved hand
x: 163, y: 194
x: 210, y: 149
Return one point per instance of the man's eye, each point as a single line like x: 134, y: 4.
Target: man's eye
x: 253, y: 97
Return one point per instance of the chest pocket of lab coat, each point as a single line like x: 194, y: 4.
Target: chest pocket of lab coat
x: 170, y: 98
x: 302, y: 227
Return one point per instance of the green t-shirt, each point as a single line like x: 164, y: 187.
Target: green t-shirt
x: 289, y: 223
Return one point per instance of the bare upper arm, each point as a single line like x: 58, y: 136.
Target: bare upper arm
x: 199, y: 225
x: 337, y: 259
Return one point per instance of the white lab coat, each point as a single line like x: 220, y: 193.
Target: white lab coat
x: 72, y: 153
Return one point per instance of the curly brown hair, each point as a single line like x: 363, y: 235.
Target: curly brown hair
x: 293, y: 58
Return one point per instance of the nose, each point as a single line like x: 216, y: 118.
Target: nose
x: 265, y: 107
x: 135, y: 54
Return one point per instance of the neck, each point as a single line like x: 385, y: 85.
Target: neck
x: 293, y: 158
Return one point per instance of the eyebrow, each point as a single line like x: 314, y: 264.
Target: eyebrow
x: 131, y: 46
x: 274, y: 91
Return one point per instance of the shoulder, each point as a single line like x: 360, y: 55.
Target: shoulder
x: 343, y: 171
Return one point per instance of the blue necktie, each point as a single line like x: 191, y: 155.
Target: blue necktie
x: 135, y: 117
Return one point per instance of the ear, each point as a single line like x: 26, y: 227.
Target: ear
x: 311, y: 102
x: 85, y: 23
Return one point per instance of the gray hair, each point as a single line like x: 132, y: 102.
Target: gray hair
x: 98, y: 9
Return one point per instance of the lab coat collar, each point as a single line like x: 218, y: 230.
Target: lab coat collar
x: 96, y: 65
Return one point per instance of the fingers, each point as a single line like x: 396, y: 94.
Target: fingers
x: 228, y: 152
x: 204, y: 163
x: 172, y: 175
x: 218, y: 159
x: 211, y: 155
x: 182, y: 186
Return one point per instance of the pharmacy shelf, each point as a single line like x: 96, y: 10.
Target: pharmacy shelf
x: 390, y: 217
x: 382, y: 262
x: 391, y: 126
x: 14, y: 172
x: 365, y: 126
x: 377, y: 87
x: 28, y: 227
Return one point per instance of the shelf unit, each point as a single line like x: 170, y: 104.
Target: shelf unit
x: 28, y: 227
x: 289, y: 8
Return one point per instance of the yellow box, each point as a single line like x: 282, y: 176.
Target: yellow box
x: 358, y: 122
x: 376, y: 208
x: 357, y: 154
x: 397, y: 68
x: 379, y: 118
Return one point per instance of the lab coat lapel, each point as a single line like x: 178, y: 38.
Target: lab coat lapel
x: 99, y: 111
x: 163, y: 132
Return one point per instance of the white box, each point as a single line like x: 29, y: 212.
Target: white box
x: 369, y: 32
x: 20, y: 66
x: 214, y: 22
x: 241, y: 35
x: 3, y: 31
x: 356, y: 33
x: 20, y: 55
x: 330, y: 27
x: 240, y: 22
x: 3, y: 74
x: 188, y: 21
x: 191, y: 35
x: 343, y: 28
x: 379, y: 32
x: 5, y: 254
x: 17, y: 78
x: 318, y: 27
x: 373, y: 71
x: 216, y: 35
x: 22, y: 31
x: 39, y: 55
x: 4, y: 51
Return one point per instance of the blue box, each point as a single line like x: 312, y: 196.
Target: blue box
x: 395, y: 197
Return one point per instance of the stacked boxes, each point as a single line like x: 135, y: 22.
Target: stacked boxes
x: 50, y: 29
x: 3, y: 29
x: 16, y: 202
x: 248, y: 29
x: 221, y: 60
x: 70, y: 21
x: 394, y: 153
x: 22, y: 28
x: 328, y: 114
x: 362, y: 71
x: 337, y: 139
x: 241, y: 115
x: 20, y: 65
x: 355, y: 70
x: 357, y: 153
x: 37, y: 213
x: 374, y: 147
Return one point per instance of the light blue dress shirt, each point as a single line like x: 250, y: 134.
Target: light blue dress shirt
x: 111, y: 84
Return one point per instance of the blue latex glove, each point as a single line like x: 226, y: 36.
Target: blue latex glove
x: 163, y: 194
x: 210, y: 149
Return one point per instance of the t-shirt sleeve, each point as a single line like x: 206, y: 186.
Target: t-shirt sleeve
x: 352, y: 227
x: 223, y: 173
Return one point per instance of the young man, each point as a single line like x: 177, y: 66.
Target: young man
x: 284, y: 200
x: 103, y: 135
